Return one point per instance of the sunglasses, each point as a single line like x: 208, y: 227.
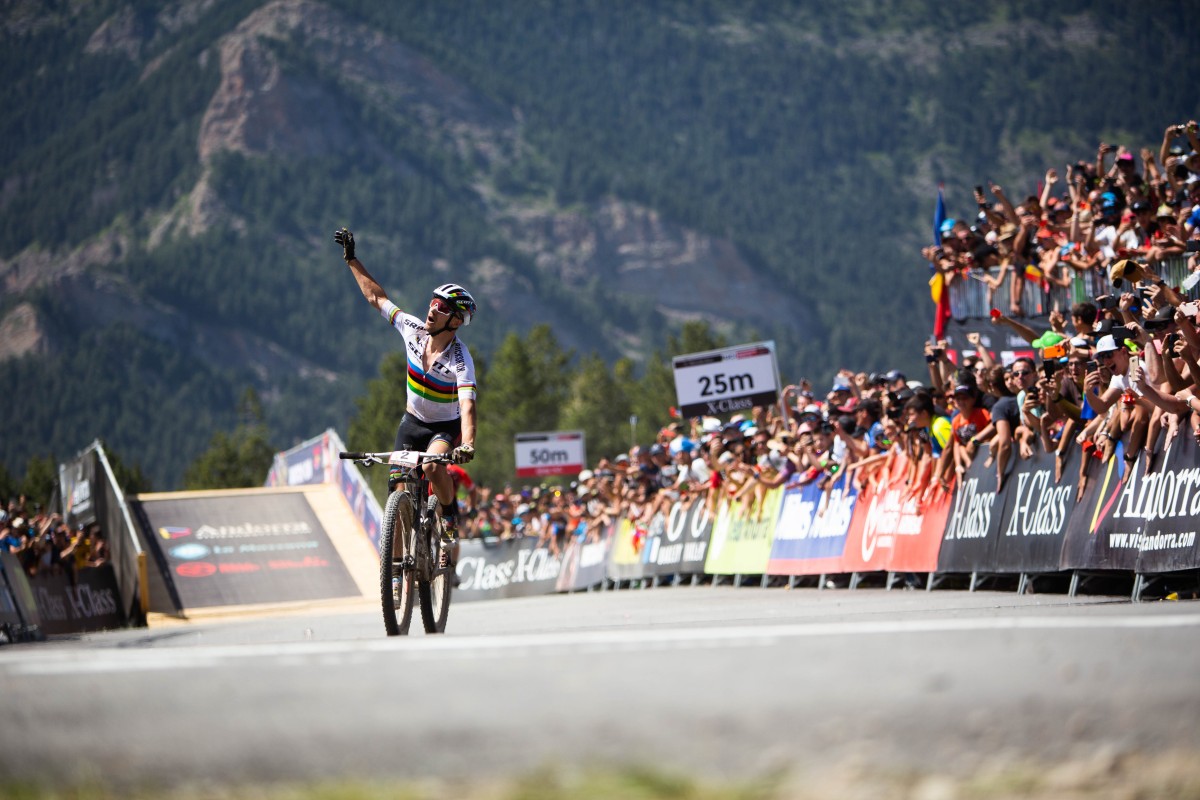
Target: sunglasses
x: 441, y: 306
x: 1021, y: 373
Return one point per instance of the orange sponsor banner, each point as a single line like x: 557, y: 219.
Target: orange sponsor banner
x: 895, y: 529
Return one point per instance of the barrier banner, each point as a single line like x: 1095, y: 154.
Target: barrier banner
x: 1129, y: 520
x: 677, y: 541
x: 585, y: 563
x: 242, y: 546
x: 1036, y: 515
x: 697, y: 531
x: 91, y: 603
x: 741, y: 543
x: 625, y: 557
x: 810, y: 536
x: 891, y: 530
x: 974, y: 522
x: 489, y: 570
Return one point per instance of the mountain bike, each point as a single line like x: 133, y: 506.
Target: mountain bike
x: 411, y: 554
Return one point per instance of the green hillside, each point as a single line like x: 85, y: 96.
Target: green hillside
x: 809, y: 137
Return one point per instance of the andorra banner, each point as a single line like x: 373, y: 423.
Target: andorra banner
x: 741, y: 537
x: 242, y: 546
x: 893, y: 530
x: 810, y: 535
x: 1131, y: 520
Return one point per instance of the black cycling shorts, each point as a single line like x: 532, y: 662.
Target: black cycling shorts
x: 415, y: 434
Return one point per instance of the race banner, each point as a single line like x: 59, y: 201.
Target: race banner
x: 557, y: 453
x: 742, y: 537
x: 810, y: 536
x: 90, y: 601
x: 697, y: 531
x: 20, y: 612
x: 585, y: 562
x: 677, y: 540
x: 1131, y: 520
x: 507, y: 568
x: 894, y: 530
x: 242, y: 546
x: 731, y: 379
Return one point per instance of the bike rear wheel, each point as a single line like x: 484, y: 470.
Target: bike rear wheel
x: 434, y: 594
x: 397, y: 575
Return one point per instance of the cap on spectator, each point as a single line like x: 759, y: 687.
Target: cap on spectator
x: 1140, y: 205
x: 725, y: 457
x: 1125, y: 157
x: 621, y: 459
x: 1080, y: 342
x: 894, y: 375
x: 849, y: 406
x: 682, y: 444
x: 777, y: 445
x: 1048, y: 339
x: 586, y: 475
x: 947, y: 225
x: 19, y: 522
x: 807, y: 427
x: 656, y: 449
x: 737, y: 418
x: 1126, y: 269
x: 840, y: 385
x: 1107, y: 344
x: 1165, y: 211
x: 710, y: 424
x: 1108, y: 201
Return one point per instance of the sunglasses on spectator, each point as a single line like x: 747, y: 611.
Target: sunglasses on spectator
x: 1021, y: 373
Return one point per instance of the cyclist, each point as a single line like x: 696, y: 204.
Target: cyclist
x: 440, y: 412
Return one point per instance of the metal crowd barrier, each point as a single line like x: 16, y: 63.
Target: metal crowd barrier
x: 969, y: 295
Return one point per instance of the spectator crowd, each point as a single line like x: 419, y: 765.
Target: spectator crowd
x: 1119, y: 366
x: 46, y: 545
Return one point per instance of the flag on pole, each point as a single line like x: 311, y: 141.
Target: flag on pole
x: 937, y: 284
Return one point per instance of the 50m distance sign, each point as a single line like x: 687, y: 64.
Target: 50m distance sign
x: 554, y: 453
x: 723, y: 381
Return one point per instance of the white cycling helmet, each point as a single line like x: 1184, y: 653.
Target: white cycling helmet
x: 459, y: 298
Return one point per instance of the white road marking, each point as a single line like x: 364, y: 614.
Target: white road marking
x: 30, y: 662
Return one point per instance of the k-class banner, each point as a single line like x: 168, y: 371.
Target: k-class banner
x: 1132, y: 520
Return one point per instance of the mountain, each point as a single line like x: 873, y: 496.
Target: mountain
x: 172, y: 173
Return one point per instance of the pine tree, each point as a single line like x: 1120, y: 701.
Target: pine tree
x: 236, y: 460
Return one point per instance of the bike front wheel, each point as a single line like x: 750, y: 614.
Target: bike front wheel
x: 397, y: 573
x: 434, y: 594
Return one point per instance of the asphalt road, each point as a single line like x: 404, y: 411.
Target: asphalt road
x: 721, y: 682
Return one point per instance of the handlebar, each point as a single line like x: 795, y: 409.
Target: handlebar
x: 404, y: 458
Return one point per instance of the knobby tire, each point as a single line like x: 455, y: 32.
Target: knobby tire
x: 434, y: 594
x: 395, y: 542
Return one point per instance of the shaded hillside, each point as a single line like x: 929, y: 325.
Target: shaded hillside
x: 172, y: 172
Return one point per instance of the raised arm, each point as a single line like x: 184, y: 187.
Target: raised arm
x: 369, y: 287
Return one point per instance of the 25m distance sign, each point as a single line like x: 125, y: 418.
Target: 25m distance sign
x: 723, y: 381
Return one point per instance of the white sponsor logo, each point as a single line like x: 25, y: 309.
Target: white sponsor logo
x: 248, y: 529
